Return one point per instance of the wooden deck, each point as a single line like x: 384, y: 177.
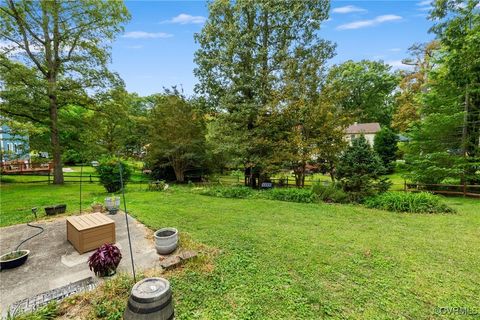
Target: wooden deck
x: 21, y: 167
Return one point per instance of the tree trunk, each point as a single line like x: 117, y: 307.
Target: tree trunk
x: 57, y: 153
x: 332, y: 172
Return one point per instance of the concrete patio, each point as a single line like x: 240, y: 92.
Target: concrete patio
x: 53, y: 262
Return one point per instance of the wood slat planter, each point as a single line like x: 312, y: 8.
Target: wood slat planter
x: 90, y: 231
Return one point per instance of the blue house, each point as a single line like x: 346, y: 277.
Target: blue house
x: 13, y: 146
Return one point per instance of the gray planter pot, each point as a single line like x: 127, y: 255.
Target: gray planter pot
x: 166, y: 240
x: 112, y: 204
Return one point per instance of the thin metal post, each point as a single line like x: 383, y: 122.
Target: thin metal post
x: 126, y: 220
x: 81, y: 173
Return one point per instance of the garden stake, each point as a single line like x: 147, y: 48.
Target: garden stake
x: 81, y: 173
x: 126, y: 219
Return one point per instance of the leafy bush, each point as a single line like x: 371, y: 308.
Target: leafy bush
x: 104, y: 261
x: 109, y: 173
x: 421, y: 202
x: 229, y: 192
x: 291, y: 194
x: 329, y: 193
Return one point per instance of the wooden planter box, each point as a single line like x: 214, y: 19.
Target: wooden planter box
x: 90, y: 231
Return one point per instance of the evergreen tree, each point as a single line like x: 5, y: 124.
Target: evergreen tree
x: 385, y: 145
x: 360, y: 169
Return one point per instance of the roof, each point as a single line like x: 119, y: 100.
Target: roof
x: 373, y: 127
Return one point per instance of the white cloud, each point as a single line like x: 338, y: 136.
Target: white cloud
x: 134, y: 47
x: 348, y: 9
x: 146, y: 35
x: 425, y: 8
x: 369, y: 23
x: 184, y: 18
x: 424, y: 3
x: 398, y: 65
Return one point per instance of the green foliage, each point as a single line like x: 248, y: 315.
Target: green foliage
x: 290, y: 195
x: 249, y: 53
x: 281, y: 194
x: 445, y: 142
x: 363, y: 88
x: 177, y: 135
x: 421, y: 202
x: 360, y: 170
x: 385, y: 145
x: 109, y: 173
x: 330, y: 193
x: 229, y: 192
x: 53, y: 53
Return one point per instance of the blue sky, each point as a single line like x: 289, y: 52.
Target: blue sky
x: 157, y: 47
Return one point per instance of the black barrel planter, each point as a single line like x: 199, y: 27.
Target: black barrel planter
x: 13, y: 259
x: 151, y: 298
x: 59, y: 208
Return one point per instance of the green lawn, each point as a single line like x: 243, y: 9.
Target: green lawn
x: 280, y: 260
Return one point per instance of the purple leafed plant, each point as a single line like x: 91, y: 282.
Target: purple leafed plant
x: 104, y: 261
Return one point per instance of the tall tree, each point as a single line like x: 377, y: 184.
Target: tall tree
x: 311, y: 126
x: 244, y: 46
x: 369, y: 86
x: 458, y: 29
x: 177, y: 135
x: 54, y: 51
x: 412, y: 83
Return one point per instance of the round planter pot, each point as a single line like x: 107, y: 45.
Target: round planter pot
x: 112, y: 204
x: 166, y: 240
x: 13, y: 262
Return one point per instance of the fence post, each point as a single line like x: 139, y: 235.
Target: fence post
x: 464, y: 188
x: 404, y: 185
x: 91, y: 178
x: 49, y: 177
x: 287, y: 182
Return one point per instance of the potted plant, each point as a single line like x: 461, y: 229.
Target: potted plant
x: 13, y: 259
x: 166, y: 240
x: 104, y: 261
x: 97, y: 206
x: 112, y: 204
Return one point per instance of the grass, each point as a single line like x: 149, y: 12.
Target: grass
x: 280, y: 260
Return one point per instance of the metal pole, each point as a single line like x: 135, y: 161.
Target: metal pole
x: 126, y: 220
x: 81, y: 173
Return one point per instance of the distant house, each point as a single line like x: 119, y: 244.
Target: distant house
x: 12, y: 146
x: 369, y: 130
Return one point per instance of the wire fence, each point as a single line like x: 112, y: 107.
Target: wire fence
x: 286, y: 182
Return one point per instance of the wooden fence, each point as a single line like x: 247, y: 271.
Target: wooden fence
x: 465, y: 190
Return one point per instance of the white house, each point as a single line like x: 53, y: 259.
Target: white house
x: 369, y: 130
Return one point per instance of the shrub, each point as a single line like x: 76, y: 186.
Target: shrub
x: 359, y: 171
x: 109, y: 173
x: 292, y: 195
x: 229, y: 192
x: 329, y: 193
x: 104, y: 261
x: 421, y: 202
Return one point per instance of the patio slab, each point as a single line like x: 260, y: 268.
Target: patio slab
x: 53, y: 262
